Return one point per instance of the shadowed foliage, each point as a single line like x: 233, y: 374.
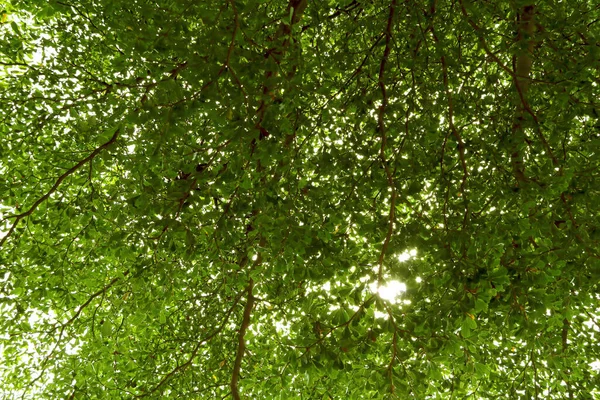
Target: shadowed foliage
x: 209, y: 199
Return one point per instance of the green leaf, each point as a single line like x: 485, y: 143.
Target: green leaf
x: 106, y: 327
x: 330, y: 138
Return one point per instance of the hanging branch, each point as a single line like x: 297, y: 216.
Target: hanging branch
x: 227, y: 65
x: 453, y: 129
x: 381, y: 127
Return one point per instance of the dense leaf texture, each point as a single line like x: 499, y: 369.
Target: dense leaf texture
x: 198, y: 198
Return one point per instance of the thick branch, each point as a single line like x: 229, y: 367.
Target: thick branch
x: 524, y: 59
x: 522, y: 65
x: 296, y: 9
x: 521, y: 75
x: 565, y: 334
x: 235, y: 375
x: 19, y: 217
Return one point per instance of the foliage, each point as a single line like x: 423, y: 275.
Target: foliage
x: 201, y: 198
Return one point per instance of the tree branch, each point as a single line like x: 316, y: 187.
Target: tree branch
x: 520, y: 76
x: 235, y: 375
x: 19, y: 217
x: 185, y: 365
x: 70, y: 321
x: 296, y: 8
x: 453, y: 129
x: 381, y: 127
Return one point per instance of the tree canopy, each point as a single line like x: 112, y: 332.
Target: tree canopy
x: 299, y: 199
